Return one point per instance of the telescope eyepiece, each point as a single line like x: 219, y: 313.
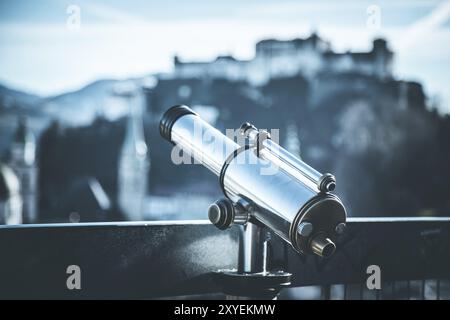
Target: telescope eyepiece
x: 322, y: 246
x: 169, y: 117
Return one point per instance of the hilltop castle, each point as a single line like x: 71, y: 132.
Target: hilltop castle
x: 287, y: 58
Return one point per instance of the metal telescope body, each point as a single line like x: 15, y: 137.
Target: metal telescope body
x: 293, y: 201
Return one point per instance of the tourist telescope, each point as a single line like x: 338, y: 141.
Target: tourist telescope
x: 293, y: 201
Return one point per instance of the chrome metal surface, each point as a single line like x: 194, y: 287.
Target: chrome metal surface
x: 241, y: 214
x: 203, y: 142
x: 252, y: 249
x: 270, y: 150
x: 296, y: 167
x: 278, y: 198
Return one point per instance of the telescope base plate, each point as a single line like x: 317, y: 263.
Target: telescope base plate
x: 261, y: 285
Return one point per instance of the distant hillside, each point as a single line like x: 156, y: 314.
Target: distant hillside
x: 13, y: 104
x: 76, y: 108
x: 80, y: 107
x: 12, y: 98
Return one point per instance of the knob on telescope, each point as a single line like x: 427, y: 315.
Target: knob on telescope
x: 221, y: 213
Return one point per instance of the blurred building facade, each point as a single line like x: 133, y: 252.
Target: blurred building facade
x: 23, y: 162
x: 286, y: 58
x: 10, y: 197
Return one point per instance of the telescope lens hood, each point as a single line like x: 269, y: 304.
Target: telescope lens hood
x: 169, y: 117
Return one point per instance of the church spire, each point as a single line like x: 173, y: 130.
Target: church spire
x: 133, y: 161
x: 134, y: 143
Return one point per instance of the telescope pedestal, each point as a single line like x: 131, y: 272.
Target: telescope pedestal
x: 252, y: 280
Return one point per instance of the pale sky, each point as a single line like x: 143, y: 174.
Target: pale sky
x: 39, y: 53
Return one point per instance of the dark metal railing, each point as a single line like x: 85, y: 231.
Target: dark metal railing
x: 436, y: 289
x: 413, y: 255
x: 161, y: 259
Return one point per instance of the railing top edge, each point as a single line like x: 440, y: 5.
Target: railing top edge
x: 206, y: 222
x: 109, y: 224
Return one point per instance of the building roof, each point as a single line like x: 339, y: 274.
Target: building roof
x: 134, y: 143
x: 357, y: 56
x: 378, y: 44
x: 226, y: 58
x: 297, y: 42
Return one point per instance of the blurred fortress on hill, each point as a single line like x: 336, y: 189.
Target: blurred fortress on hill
x: 286, y: 58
